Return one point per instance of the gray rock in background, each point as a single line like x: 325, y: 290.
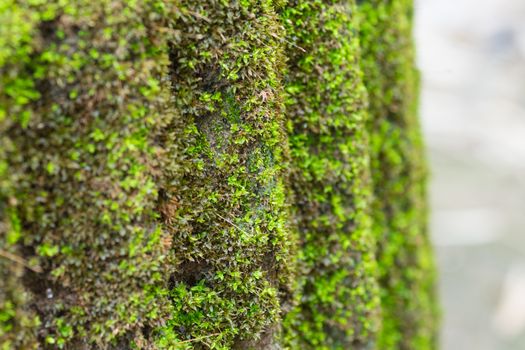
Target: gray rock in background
x: 472, y: 57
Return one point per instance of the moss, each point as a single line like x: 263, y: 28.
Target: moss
x: 83, y: 103
x: 399, y: 174
x: 327, y: 111
x: 228, y: 218
x: 16, y: 90
x: 211, y: 174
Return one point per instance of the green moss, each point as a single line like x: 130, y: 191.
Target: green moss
x: 211, y: 174
x: 399, y: 173
x: 83, y: 169
x: 227, y: 212
x: 17, y: 322
x: 327, y: 111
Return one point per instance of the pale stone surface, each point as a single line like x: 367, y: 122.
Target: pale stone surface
x: 472, y: 57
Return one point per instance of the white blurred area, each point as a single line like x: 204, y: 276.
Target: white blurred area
x: 472, y: 57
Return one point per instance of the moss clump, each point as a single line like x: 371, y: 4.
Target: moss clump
x: 226, y: 211
x: 83, y: 101
x: 327, y: 111
x: 398, y: 171
x: 16, y: 90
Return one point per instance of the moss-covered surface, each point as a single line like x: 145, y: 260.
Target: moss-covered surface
x: 327, y: 111
x: 180, y: 174
x: 83, y: 102
x: 406, y: 271
x: 16, y: 320
x: 227, y: 212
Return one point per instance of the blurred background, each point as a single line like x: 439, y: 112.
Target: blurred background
x: 472, y: 57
